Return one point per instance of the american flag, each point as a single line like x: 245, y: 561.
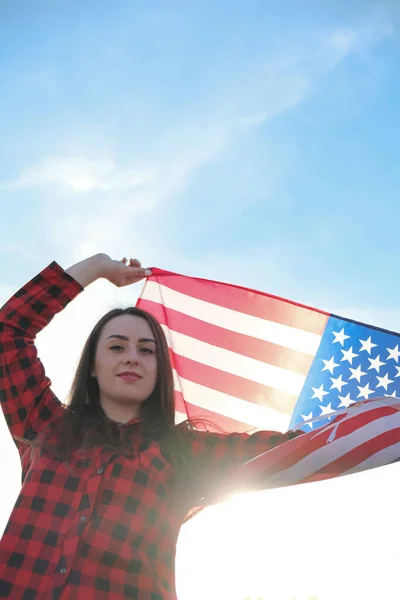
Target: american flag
x: 246, y: 360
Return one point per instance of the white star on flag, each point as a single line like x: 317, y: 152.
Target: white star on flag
x: 398, y: 372
x: 393, y: 353
x: 364, y: 391
x: 356, y: 373
x: 326, y: 410
x: 348, y: 355
x: 376, y: 363
x: 319, y: 392
x: 340, y: 337
x: 367, y: 345
x: 392, y: 395
x: 306, y: 418
x: 330, y: 365
x: 346, y: 401
x: 337, y: 383
x: 384, y: 381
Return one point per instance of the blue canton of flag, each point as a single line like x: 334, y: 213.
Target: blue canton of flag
x: 354, y: 362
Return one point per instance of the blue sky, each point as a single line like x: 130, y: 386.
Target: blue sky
x: 246, y: 141
x: 256, y: 144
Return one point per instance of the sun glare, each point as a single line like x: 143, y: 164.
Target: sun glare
x: 238, y: 550
x: 325, y: 540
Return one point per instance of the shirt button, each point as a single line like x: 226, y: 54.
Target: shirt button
x: 63, y: 570
x: 82, y: 520
x: 99, y: 471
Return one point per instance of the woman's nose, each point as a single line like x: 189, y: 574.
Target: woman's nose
x: 133, y: 357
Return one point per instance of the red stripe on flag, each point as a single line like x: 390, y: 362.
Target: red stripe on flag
x: 244, y: 300
x: 266, y: 352
x: 363, y: 418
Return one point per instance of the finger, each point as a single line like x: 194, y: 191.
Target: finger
x: 134, y: 262
x: 135, y: 278
x: 139, y: 272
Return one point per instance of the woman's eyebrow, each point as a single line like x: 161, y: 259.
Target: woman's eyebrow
x: 123, y: 337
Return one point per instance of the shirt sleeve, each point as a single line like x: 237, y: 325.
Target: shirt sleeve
x: 217, y: 457
x: 25, y: 395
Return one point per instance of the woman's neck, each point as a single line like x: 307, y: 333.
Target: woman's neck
x: 119, y: 413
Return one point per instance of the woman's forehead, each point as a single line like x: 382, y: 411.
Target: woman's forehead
x: 131, y: 326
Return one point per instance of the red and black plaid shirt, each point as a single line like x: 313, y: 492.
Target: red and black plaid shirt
x: 101, y: 527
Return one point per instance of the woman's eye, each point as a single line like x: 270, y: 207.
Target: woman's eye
x: 147, y: 350
x: 112, y: 347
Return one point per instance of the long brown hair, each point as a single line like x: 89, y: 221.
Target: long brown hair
x: 85, y: 424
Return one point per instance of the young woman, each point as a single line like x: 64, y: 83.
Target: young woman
x: 109, y: 478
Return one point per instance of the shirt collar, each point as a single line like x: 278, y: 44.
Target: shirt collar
x: 134, y: 421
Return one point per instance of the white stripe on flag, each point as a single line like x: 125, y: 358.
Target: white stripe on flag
x: 240, y: 410
x: 177, y: 385
x: 235, y: 364
x: 239, y: 322
x: 179, y: 417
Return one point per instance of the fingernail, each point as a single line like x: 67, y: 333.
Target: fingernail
x: 148, y: 272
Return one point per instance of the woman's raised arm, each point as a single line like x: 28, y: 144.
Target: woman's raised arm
x: 26, y: 398
x: 25, y: 395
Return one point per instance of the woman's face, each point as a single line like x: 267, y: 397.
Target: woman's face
x: 136, y: 353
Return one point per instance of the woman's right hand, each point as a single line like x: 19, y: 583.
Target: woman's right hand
x: 123, y: 272
x: 118, y: 272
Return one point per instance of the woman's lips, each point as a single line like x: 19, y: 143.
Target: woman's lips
x: 130, y: 377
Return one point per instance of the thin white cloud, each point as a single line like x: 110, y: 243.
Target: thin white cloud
x: 339, y: 43
x: 80, y: 174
